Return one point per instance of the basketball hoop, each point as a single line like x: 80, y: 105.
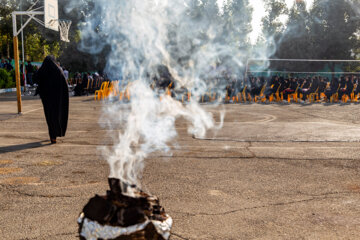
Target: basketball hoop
x: 64, y: 27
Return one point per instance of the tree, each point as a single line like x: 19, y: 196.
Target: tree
x: 273, y: 25
x: 295, y: 42
x: 6, y: 8
x: 72, y: 57
x: 327, y: 31
x: 237, y: 21
x: 40, y: 44
x: 333, y: 30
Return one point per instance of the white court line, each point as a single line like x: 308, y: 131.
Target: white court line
x: 268, y: 117
x: 229, y: 148
x: 31, y: 111
x: 184, y: 149
x: 267, y: 120
x: 87, y: 131
x: 305, y: 147
x: 47, y: 132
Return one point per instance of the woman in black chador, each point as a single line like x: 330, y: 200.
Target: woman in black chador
x: 54, y: 94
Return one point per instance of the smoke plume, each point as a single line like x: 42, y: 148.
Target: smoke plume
x: 145, y: 36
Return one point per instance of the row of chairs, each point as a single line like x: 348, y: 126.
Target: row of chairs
x: 243, y: 96
x: 93, y: 85
x: 114, y: 89
x: 108, y: 88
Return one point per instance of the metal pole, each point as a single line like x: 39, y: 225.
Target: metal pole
x: 22, y: 49
x: 246, y: 71
x: 17, y: 69
x: 23, y: 59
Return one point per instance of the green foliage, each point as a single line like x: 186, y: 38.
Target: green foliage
x: 12, y: 74
x: 5, y: 79
x: 327, y: 31
x: 38, y: 49
x: 272, y: 24
x: 39, y: 41
x: 71, y: 57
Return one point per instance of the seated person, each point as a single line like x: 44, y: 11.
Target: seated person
x: 342, y: 83
x: 306, y: 83
x: 240, y: 86
x: 78, y: 90
x: 272, y: 87
x: 357, y: 89
x: 347, y: 90
x: 285, y: 83
x: 313, y: 87
x: 322, y: 86
x: 231, y: 90
x: 255, y: 87
x: 291, y: 88
x: 333, y: 88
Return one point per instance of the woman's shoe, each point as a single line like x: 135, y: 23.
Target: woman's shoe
x: 53, y: 141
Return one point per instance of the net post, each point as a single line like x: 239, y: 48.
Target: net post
x: 246, y: 70
x: 17, y: 68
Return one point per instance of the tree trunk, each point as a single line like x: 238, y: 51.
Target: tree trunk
x: 8, y: 49
x: 44, y: 51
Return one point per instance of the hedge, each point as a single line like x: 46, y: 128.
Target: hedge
x: 6, y: 79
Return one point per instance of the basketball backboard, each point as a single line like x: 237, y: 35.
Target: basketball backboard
x: 51, y: 14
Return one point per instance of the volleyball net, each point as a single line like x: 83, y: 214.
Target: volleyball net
x: 301, y: 67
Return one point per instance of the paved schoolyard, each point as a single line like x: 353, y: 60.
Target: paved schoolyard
x: 272, y: 172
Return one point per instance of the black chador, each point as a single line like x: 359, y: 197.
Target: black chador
x: 54, y: 95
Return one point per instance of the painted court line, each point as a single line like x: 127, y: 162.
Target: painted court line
x: 188, y: 149
x: 32, y: 110
x: 83, y: 131
x: 47, y: 132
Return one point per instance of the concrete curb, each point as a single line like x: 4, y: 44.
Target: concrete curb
x: 7, y: 90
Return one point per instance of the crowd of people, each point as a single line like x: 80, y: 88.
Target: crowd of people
x: 322, y: 87
x: 87, y: 82
x: 29, y: 68
x: 81, y: 83
x: 6, y: 64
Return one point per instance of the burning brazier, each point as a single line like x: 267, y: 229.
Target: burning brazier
x: 124, y: 213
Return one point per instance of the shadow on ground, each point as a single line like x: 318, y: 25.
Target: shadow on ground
x: 6, y: 116
x: 15, y: 148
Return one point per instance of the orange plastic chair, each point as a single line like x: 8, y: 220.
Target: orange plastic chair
x: 243, y: 94
x: 100, y: 94
x: 294, y: 95
x: 335, y: 96
x: 312, y: 96
x: 260, y: 94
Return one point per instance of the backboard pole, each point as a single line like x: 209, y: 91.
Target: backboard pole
x: 22, y: 49
x: 17, y: 68
x: 31, y: 15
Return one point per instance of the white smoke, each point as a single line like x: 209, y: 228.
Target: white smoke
x: 142, y: 35
x: 149, y: 127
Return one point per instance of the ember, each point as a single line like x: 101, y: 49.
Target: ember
x: 119, y: 216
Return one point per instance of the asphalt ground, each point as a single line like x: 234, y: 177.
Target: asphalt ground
x: 272, y: 172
